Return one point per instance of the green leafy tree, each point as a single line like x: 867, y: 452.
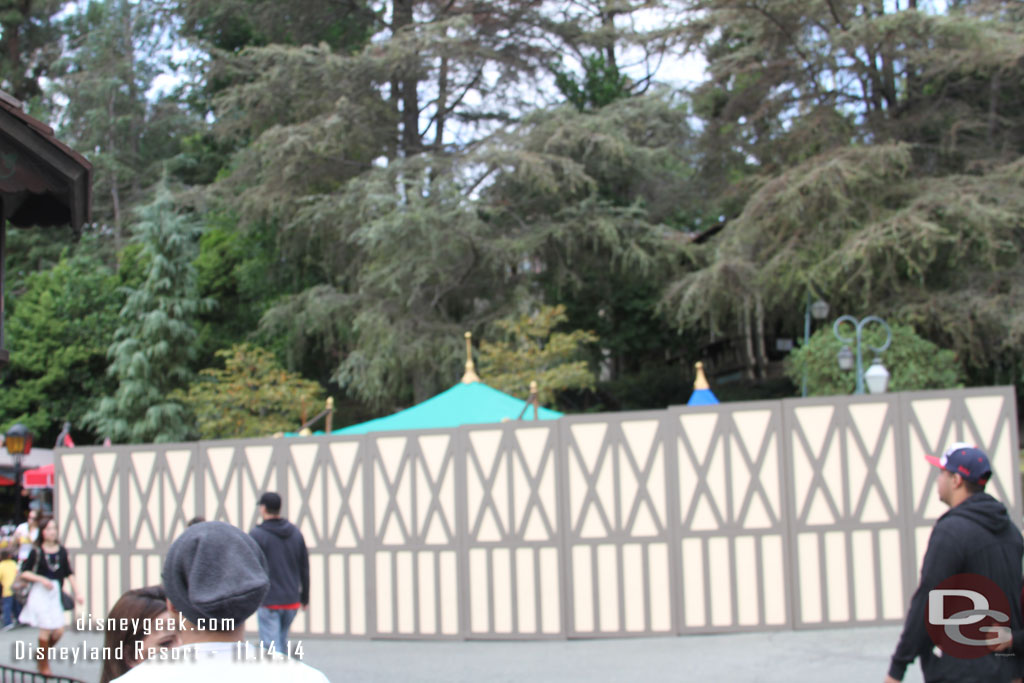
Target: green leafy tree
x: 155, y: 343
x: 601, y: 84
x: 57, y: 333
x: 235, y: 270
x: 914, y: 363
x: 528, y: 349
x: 252, y: 395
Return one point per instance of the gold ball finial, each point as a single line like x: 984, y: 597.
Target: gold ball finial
x: 470, y: 375
x: 701, y: 380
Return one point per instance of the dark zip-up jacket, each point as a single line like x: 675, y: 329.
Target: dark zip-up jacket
x: 975, y: 537
x: 288, y: 560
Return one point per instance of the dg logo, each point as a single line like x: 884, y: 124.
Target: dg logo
x: 966, y: 614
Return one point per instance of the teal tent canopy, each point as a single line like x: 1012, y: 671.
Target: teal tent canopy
x: 467, y: 403
x: 463, y: 404
x: 702, y: 394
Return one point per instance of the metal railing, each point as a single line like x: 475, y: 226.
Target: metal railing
x: 12, y: 674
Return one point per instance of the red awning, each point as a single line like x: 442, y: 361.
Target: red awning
x: 4, y: 481
x: 39, y: 478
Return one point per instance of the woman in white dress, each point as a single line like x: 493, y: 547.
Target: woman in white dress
x: 46, y: 567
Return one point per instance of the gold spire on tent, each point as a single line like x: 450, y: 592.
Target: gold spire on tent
x: 470, y: 375
x: 700, y: 381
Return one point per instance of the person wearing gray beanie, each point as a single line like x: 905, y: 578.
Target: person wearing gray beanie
x: 215, y: 577
x: 213, y: 572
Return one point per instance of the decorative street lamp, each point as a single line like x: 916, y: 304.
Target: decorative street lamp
x: 819, y: 311
x: 18, y: 442
x: 877, y: 376
x: 845, y: 358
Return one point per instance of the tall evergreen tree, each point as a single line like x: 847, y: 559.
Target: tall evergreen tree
x: 29, y: 44
x: 876, y: 151
x: 155, y: 344
x: 115, y: 49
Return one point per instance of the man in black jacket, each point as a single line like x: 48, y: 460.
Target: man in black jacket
x: 975, y: 537
x: 288, y: 562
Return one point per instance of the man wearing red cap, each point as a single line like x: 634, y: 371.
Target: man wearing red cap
x: 974, y: 557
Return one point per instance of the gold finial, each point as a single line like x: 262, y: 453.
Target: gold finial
x: 700, y: 382
x: 533, y: 387
x: 330, y: 403
x: 470, y: 375
x: 305, y: 431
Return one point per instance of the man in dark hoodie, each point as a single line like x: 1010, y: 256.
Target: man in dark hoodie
x: 288, y: 562
x: 975, y: 536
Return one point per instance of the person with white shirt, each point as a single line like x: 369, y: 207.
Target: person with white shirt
x: 26, y: 534
x: 215, y: 577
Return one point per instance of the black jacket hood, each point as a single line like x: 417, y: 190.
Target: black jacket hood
x: 984, y: 510
x: 279, y: 526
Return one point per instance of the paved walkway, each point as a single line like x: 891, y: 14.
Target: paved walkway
x: 860, y: 654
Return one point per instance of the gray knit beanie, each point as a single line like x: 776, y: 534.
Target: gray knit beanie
x: 215, y: 571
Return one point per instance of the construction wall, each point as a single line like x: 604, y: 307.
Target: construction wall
x: 744, y: 516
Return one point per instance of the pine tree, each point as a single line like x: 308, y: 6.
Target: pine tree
x: 29, y: 42
x: 113, y: 54
x: 155, y: 343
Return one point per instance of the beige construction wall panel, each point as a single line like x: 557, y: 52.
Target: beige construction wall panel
x: 513, y: 531
x: 234, y: 478
x: 986, y: 418
x: 323, y: 493
x: 161, y: 497
x: 847, y: 510
x: 91, y: 517
x: 619, y: 564
x: 731, y: 546
x: 414, y: 540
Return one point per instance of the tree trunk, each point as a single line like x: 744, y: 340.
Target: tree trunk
x: 406, y: 82
x: 762, y: 352
x: 608, y: 22
x: 136, y: 125
x: 748, y: 341
x: 442, y: 104
x: 115, y: 192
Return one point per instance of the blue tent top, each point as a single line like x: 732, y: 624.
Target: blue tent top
x: 702, y: 394
x: 702, y: 397
x: 464, y: 403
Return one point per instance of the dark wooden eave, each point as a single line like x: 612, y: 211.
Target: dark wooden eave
x: 43, y: 182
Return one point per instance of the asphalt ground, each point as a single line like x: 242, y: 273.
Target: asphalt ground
x: 852, y: 654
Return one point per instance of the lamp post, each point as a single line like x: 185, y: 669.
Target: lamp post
x: 18, y: 442
x: 877, y: 376
x: 819, y: 311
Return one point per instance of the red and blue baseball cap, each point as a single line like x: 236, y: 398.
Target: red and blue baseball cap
x: 970, y: 462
